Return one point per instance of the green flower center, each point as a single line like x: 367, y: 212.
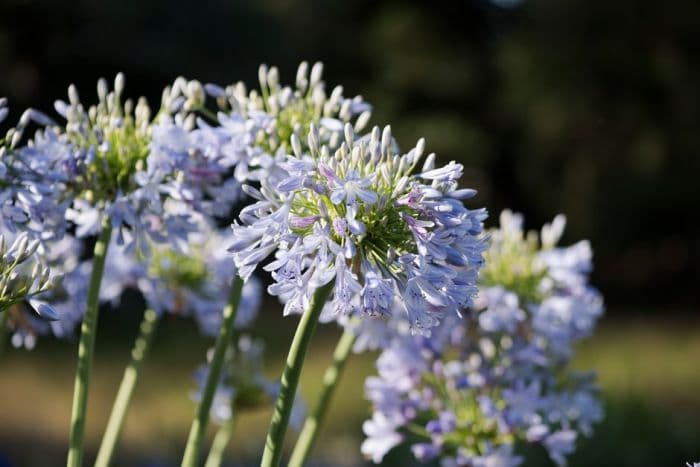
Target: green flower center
x: 178, y: 270
x: 512, y: 264
x: 119, y: 154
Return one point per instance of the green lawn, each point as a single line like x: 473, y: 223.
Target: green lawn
x: 649, y: 370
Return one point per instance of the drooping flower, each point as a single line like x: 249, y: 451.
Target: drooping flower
x: 500, y: 375
x: 363, y: 217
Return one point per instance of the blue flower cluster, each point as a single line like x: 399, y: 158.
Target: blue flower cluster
x: 500, y: 375
x: 361, y: 217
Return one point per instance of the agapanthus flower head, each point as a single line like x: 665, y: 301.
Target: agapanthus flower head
x: 23, y: 277
x: 500, y: 375
x: 195, y: 284
x: 243, y: 386
x: 292, y: 110
x: 365, y: 217
x: 98, y: 164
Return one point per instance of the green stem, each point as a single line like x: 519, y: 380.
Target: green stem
x: 290, y: 377
x: 221, y: 440
x: 86, y: 349
x: 199, y: 424
x: 126, y: 388
x: 4, y: 322
x: 313, y: 422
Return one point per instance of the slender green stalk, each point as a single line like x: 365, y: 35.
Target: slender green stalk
x: 290, y: 377
x: 332, y: 375
x: 221, y: 440
x: 126, y: 388
x: 4, y: 318
x: 86, y: 349
x: 199, y: 424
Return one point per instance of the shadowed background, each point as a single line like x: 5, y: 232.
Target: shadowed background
x: 585, y: 107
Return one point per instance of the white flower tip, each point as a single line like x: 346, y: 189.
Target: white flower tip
x: 262, y: 75
x: 316, y: 73
x: 119, y: 83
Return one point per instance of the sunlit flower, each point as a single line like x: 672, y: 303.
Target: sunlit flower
x: 364, y: 217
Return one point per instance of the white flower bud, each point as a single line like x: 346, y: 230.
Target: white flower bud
x: 345, y: 110
x: 386, y: 138
x: 349, y: 134
x: 262, y: 76
x: 273, y: 78
x: 302, y: 72
x: 429, y: 163
x: 73, y: 97
x: 102, y: 89
x: 296, y: 145
x: 316, y: 73
x: 119, y: 83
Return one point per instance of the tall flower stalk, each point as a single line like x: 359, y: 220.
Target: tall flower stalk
x: 223, y: 340
x: 126, y: 388
x: 329, y: 383
x: 221, y: 440
x: 196, y: 284
x: 86, y: 349
x: 4, y: 315
x: 243, y: 388
x: 290, y: 377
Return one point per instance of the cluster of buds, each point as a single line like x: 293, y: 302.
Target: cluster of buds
x: 23, y: 277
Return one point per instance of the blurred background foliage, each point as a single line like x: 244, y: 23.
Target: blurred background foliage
x: 587, y: 107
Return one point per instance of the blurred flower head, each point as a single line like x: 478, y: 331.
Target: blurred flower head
x: 195, y: 284
x: 500, y: 375
x: 243, y: 385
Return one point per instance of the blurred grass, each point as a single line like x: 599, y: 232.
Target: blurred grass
x: 649, y: 369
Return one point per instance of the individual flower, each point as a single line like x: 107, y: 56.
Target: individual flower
x: 243, y: 385
x: 195, y: 284
x: 363, y: 217
x: 499, y: 376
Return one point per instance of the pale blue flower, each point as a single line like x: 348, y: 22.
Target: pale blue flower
x: 381, y: 437
x: 362, y: 217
